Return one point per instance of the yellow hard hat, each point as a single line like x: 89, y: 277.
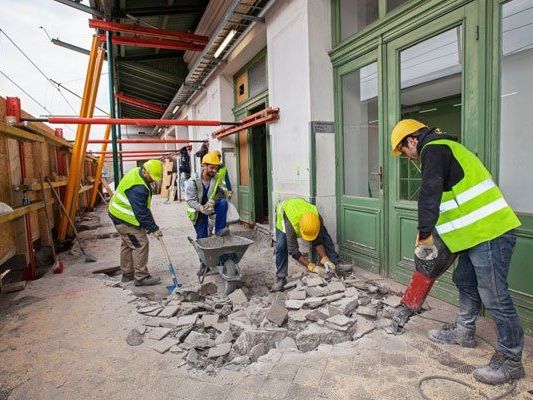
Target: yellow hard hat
x: 402, y: 129
x: 154, y: 168
x: 211, y: 158
x: 218, y: 153
x: 309, y: 226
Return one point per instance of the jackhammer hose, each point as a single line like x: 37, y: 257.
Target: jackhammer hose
x: 447, y: 378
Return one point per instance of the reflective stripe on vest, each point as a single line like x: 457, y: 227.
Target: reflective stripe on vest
x: 120, y: 206
x: 294, y: 209
x: 474, y: 210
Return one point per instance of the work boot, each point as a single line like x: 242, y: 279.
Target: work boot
x: 451, y: 334
x: 147, y: 281
x: 278, y: 286
x: 127, y: 277
x: 343, y: 267
x: 500, y: 370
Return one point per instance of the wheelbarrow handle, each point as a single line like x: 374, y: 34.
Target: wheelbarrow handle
x: 191, y: 240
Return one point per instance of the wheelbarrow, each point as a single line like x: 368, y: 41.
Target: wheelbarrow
x: 221, y: 255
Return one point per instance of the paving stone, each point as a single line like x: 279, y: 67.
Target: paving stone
x: 162, y: 346
x: 210, y: 320
x: 363, y: 327
x: 257, y: 351
x: 317, y: 291
x: 314, y: 334
x: 249, y: 339
x: 340, y: 320
x: 208, y: 288
x: 360, y: 285
x: 367, y: 311
x: 187, y: 320
x: 294, y: 304
x: 336, y: 287
x: 392, y: 301
x: 333, y: 310
x: 158, y: 333
x: 148, y: 309
x: 351, y: 292
x: 198, y: 340
x: 238, y: 297
x: 313, y: 281
x: 277, y: 314
x: 316, y: 315
x: 333, y: 297
x: 224, y: 337
x: 221, y: 326
x: 220, y: 350
x: 238, y: 326
x: 313, y: 302
x: 297, y: 295
x: 154, y: 321
x: 287, y: 343
x: 298, y: 316
x: 169, y: 311
x: 364, y: 301
x: 346, y: 305
x: 372, y: 289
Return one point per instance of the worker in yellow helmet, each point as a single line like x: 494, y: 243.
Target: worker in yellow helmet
x: 297, y: 218
x: 460, y: 202
x: 205, y: 197
x: 129, y: 210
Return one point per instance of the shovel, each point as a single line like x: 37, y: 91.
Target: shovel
x: 88, y: 257
x: 170, y: 269
x: 58, y: 265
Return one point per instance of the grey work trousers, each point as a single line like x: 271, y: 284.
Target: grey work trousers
x: 133, y: 251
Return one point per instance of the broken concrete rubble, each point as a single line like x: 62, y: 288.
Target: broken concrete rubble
x: 277, y: 314
x: 315, y: 334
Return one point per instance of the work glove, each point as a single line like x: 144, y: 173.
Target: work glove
x: 425, y: 249
x: 328, y: 265
x: 209, y: 207
x: 157, y: 234
x: 312, y: 267
x: 229, y: 193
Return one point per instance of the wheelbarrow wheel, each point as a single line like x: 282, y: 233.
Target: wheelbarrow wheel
x: 230, y: 269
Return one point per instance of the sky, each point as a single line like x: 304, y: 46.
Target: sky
x: 21, y: 20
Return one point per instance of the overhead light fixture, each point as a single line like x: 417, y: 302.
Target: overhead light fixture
x: 225, y: 43
x: 175, y: 109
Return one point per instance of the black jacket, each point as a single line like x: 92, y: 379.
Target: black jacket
x: 440, y: 172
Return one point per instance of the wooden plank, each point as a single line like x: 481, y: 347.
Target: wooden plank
x: 106, y: 186
x: 21, y: 211
x: 47, y: 136
x: 13, y: 287
x: 37, y: 186
x: 19, y: 134
x: 85, y: 188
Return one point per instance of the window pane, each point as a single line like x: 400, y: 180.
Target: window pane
x: 257, y: 77
x: 243, y: 158
x: 516, y: 121
x: 360, y: 128
x: 431, y: 82
x: 356, y: 14
x: 392, y: 4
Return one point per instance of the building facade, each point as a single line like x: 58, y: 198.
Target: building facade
x: 342, y: 73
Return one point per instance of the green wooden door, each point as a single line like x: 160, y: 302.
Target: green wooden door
x: 432, y: 76
x: 360, y: 166
x: 246, y: 206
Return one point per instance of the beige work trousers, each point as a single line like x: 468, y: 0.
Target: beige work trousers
x: 133, y: 251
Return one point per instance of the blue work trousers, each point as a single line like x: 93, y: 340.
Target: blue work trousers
x: 282, y: 254
x: 481, y: 277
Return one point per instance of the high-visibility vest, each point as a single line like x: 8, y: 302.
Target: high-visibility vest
x: 474, y: 210
x: 119, y: 206
x: 221, y: 178
x: 294, y: 209
x: 191, y: 212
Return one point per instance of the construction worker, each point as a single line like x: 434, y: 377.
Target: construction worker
x: 205, y: 197
x: 129, y: 209
x: 297, y: 218
x: 459, y: 199
x: 223, y: 177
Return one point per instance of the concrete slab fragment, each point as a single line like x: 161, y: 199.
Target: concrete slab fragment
x: 238, y: 297
x: 297, y: 295
x: 392, y: 301
x: 187, y: 320
x: 294, y: 304
x: 162, y: 346
x: 157, y: 333
x: 367, y: 311
x: 276, y: 314
x: 336, y: 287
x: 219, y: 351
x: 210, y: 320
x: 169, y: 311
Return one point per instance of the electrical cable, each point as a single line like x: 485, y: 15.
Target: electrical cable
x: 25, y: 92
x: 447, y: 378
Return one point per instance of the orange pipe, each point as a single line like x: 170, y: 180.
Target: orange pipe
x: 99, y: 168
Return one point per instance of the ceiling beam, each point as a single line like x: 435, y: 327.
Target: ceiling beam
x: 82, y: 7
x: 152, y: 43
x: 155, y: 11
x: 140, y: 103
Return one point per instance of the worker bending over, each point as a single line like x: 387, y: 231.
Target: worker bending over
x: 129, y: 210
x: 297, y: 218
x: 459, y: 199
x: 205, y: 197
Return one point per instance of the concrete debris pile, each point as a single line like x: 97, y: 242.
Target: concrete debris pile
x: 208, y: 330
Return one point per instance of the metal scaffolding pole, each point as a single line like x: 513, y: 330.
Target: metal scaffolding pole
x: 111, y: 74
x: 119, y: 112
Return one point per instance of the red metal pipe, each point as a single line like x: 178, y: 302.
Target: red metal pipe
x: 139, y: 141
x: 129, y: 121
x: 259, y: 118
x: 140, y: 103
x: 153, y: 43
x: 151, y: 32
x: 136, y: 151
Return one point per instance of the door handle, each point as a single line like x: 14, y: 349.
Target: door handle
x: 380, y: 174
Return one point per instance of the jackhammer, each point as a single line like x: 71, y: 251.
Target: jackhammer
x: 427, y: 270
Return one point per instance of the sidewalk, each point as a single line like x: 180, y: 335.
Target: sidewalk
x: 63, y: 337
